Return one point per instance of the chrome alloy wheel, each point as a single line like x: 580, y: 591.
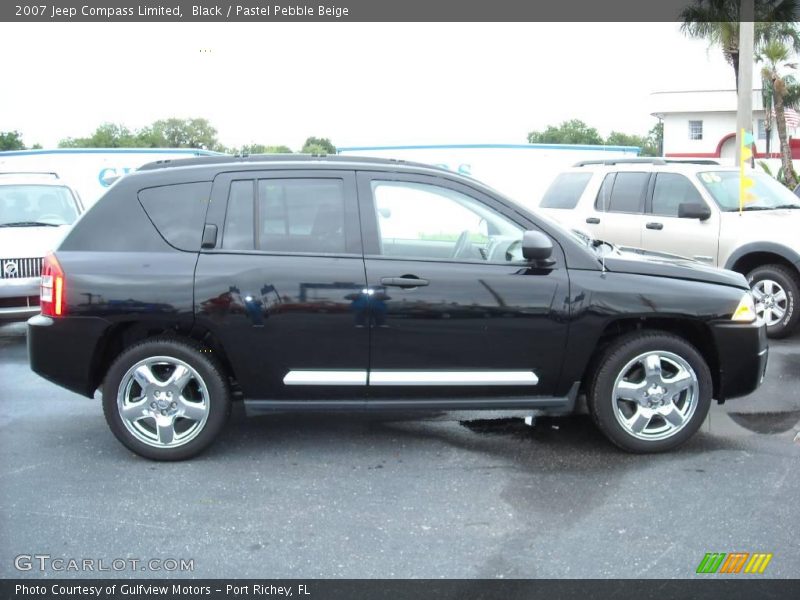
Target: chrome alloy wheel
x: 771, y: 301
x: 163, y: 402
x: 655, y: 395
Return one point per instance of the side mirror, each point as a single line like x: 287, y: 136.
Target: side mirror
x: 693, y: 210
x: 536, y: 246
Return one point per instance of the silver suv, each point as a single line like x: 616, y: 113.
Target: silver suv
x: 36, y: 210
x: 692, y: 210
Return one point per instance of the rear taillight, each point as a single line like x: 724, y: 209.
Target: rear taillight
x: 52, y: 296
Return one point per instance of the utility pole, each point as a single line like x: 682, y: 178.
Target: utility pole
x: 744, y: 110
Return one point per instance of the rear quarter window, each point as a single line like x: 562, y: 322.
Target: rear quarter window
x: 178, y: 212
x: 565, y: 191
x: 623, y: 192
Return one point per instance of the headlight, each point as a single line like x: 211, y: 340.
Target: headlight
x: 746, y: 311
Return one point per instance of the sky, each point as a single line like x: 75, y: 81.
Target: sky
x: 355, y: 83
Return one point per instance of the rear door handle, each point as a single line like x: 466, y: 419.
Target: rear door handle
x: 406, y: 281
x: 593, y: 220
x: 655, y: 226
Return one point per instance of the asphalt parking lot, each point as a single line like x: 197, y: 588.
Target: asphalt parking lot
x: 359, y: 497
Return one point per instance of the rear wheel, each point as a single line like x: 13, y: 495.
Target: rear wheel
x: 650, y: 392
x: 775, y: 289
x: 165, y: 399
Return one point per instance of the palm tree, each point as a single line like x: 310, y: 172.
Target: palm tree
x: 766, y: 102
x: 718, y: 22
x: 775, y: 57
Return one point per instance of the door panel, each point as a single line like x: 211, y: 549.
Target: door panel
x: 622, y: 229
x: 620, y: 206
x: 288, y: 320
x: 664, y: 231
x: 483, y: 323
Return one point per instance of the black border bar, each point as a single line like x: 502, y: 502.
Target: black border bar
x: 355, y: 10
x: 701, y: 588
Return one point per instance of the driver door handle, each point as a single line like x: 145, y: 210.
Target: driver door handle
x: 655, y: 225
x: 406, y: 281
x: 592, y: 220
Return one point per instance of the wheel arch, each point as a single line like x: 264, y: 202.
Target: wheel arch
x: 123, y: 335
x: 695, y: 332
x: 748, y: 257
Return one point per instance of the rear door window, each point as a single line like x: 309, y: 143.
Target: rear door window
x: 239, y: 220
x: 566, y: 190
x: 623, y: 193
x: 302, y: 215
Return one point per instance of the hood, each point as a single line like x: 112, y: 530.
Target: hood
x: 752, y: 226
x: 30, y: 242
x: 642, y: 262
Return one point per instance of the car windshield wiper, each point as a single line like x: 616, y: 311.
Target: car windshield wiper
x: 29, y: 224
x: 787, y: 206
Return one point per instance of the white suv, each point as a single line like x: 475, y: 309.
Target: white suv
x: 36, y: 210
x: 692, y: 210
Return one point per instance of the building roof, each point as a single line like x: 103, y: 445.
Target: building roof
x: 698, y: 101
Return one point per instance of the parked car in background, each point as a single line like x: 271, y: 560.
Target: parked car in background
x: 521, y: 171
x: 301, y: 283
x: 692, y: 209
x: 36, y: 209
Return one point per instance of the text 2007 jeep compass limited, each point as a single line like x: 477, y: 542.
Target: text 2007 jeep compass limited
x: 316, y: 283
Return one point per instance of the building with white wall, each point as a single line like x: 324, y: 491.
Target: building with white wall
x: 702, y: 124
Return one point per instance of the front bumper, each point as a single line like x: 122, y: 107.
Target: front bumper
x: 743, y: 352
x: 19, y: 298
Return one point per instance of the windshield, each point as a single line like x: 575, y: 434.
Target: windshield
x: 32, y: 205
x: 769, y: 194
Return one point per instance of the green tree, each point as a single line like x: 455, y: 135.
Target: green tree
x: 315, y: 145
x: 616, y: 138
x: 262, y: 149
x: 107, y: 135
x: 654, y: 146
x: 11, y: 140
x: 785, y: 93
x: 650, y: 144
x: 180, y: 133
x: 574, y: 131
x: 717, y: 21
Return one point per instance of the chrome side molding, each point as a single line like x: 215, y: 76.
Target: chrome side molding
x: 408, y: 378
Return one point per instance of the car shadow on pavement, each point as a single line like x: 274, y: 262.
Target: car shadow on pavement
x: 572, y: 438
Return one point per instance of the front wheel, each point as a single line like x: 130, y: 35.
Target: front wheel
x: 775, y: 290
x: 650, y: 392
x: 164, y: 399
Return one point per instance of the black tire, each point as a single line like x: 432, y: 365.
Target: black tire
x: 216, y: 404
x: 601, y: 400
x: 788, y: 281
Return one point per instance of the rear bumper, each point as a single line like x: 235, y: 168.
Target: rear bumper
x: 63, y: 350
x: 743, y: 352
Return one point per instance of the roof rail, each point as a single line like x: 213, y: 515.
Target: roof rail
x: 257, y: 158
x: 620, y: 161
x: 34, y: 173
x: 646, y: 161
x: 693, y: 161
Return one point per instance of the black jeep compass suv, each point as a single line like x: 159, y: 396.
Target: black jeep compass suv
x: 315, y: 283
